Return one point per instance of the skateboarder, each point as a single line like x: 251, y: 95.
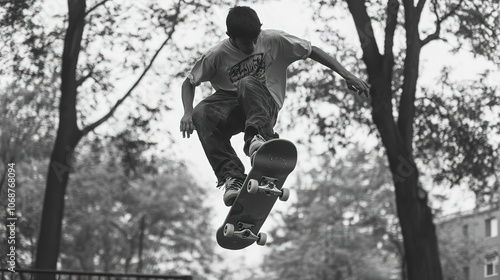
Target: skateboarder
x: 248, y: 72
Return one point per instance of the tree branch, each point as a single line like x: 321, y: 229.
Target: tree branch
x: 390, y: 28
x: 451, y: 12
x: 371, y: 53
x: 129, y: 92
x: 431, y: 37
x: 439, y: 21
x: 96, y: 6
x: 410, y: 73
x: 80, y: 81
x: 420, y: 6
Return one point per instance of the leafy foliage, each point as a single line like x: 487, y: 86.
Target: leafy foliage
x: 455, y: 127
x: 455, y: 134
x: 29, y: 193
x: 147, y: 222
x: 321, y: 98
x: 473, y: 157
x: 118, y: 42
x: 27, y: 48
x: 27, y: 117
x: 476, y: 27
x: 343, y: 226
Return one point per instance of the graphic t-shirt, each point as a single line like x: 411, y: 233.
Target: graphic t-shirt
x: 224, y: 65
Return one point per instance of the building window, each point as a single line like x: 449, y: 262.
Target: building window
x: 466, y: 272
x: 491, y: 227
x: 491, y: 265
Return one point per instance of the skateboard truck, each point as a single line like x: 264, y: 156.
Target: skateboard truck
x: 267, y: 186
x: 244, y: 232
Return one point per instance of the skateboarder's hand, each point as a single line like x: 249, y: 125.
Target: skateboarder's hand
x: 187, y: 125
x: 358, y: 85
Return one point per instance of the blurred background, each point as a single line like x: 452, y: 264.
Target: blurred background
x: 90, y: 111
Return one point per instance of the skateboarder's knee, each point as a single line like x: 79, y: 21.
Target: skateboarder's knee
x: 199, y: 113
x: 247, y: 82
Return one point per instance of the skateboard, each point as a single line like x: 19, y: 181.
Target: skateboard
x: 271, y: 165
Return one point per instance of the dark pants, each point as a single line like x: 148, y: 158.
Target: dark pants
x: 223, y: 114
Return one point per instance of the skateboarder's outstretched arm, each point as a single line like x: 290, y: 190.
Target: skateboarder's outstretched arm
x: 353, y: 83
x: 187, y: 125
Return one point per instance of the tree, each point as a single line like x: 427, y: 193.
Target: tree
x: 93, y: 32
x: 69, y: 134
x: 28, y: 105
x: 28, y: 190
x: 460, y: 135
x: 26, y: 128
x: 134, y: 222
x: 26, y: 119
x: 343, y: 226
x: 393, y: 73
x: 116, y: 219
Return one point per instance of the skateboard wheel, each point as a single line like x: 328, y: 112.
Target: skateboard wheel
x: 253, y: 186
x: 228, y: 230
x: 262, y: 239
x: 285, y: 194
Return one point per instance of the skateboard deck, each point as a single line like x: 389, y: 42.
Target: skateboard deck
x: 272, y: 163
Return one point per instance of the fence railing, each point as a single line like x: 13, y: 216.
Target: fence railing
x: 30, y: 274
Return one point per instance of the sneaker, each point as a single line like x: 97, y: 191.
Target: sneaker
x: 233, y: 187
x: 256, y: 142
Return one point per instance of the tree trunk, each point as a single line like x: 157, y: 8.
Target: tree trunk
x: 67, y: 138
x: 142, y: 229
x: 415, y: 217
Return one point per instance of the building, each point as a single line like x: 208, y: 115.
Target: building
x: 470, y: 244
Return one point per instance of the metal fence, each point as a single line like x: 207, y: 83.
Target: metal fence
x: 30, y: 274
